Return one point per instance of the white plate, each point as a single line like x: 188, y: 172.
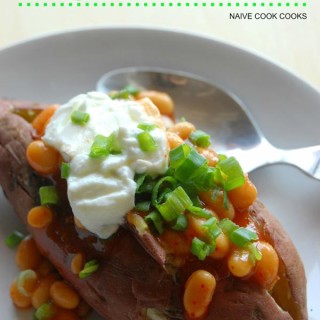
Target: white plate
x: 57, y: 67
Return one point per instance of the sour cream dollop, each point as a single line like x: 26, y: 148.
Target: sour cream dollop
x: 102, y: 190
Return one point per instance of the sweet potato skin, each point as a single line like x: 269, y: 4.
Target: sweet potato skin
x: 129, y: 279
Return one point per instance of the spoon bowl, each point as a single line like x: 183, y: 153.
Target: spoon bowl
x: 218, y: 112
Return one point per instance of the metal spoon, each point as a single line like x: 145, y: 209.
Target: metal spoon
x: 219, y: 113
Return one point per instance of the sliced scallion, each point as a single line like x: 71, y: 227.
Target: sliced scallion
x: 233, y: 171
x: 178, y: 155
x: 102, y: 146
x: 177, y: 202
x: 228, y: 226
x: 79, y: 117
x: 212, y: 229
x: 199, y: 212
x: 200, y: 138
x: 242, y: 236
x: 65, y: 170
x: 125, y: 93
x: 143, y: 206
x: 45, y: 311
x: 157, y: 220
x: 89, y: 268
x: 146, y: 126
x: 181, y: 223
x: 24, y: 277
x: 14, y: 239
x: 48, y: 195
x: 146, y: 142
x: 163, y: 184
x: 255, y: 254
x: 201, y: 249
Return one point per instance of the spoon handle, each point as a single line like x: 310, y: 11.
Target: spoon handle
x: 307, y: 159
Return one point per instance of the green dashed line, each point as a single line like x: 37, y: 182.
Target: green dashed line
x: 161, y: 4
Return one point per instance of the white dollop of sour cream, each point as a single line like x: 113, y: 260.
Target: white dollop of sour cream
x: 102, y: 190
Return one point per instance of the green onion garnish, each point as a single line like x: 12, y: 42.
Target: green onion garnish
x: 242, y: 236
x: 212, y: 229
x: 199, y: 212
x: 164, y: 184
x: 181, y: 223
x: 201, y: 249
x: 48, y: 195
x: 178, y: 155
x: 146, y: 126
x: 89, y: 268
x: 233, y: 172
x: 14, y: 239
x: 228, y: 226
x: 79, y: 117
x: 24, y: 276
x: 102, y: 146
x: 255, y: 254
x: 177, y: 202
x: 65, y: 170
x: 146, y: 142
x: 143, y: 206
x: 157, y: 220
x: 45, y: 311
x: 125, y: 93
x: 200, y: 138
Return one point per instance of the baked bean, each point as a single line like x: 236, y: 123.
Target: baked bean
x: 40, y: 121
x: 42, y: 293
x: 20, y: 300
x: 45, y: 268
x: 27, y: 282
x: 174, y: 140
x: 42, y: 158
x: 28, y: 255
x: 243, y: 196
x: 198, y: 293
x: 40, y: 217
x: 239, y: 262
x: 210, y: 155
x: 161, y: 99
x: 222, y: 247
x: 175, y: 242
x: 77, y: 263
x: 217, y: 204
x: 266, y: 271
x: 64, y: 296
x: 65, y: 315
x: 183, y: 129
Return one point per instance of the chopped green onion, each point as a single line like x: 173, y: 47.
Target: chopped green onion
x: 45, y: 311
x: 181, y: 223
x: 143, y: 206
x: 212, y: 229
x: 102, y: 146
x: 24, y: 276
x: 89, y: 268
x: 14, y: 239
x: 144, y: 182
x: 233, y: 171
x: 48, y: 195
x: 65, y: 170
x: 201, y: 249
x: 125, y: 93
x: 225, y: 200
x: 146, y: 142
x: 200, y: 138
x: 79, y: 117
x: 228, y: 226
x: 188, y: 169
x: 177, y: 202
x: 255, y: 254
x: 199, y: 212
x: 156, y: 218
x: 178, y: 155
x: 146, y: 126
x: 164, y: 183
x: 242, y: 236
x: 222, y: 157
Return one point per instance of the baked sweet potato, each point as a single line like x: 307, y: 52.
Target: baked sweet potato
x: 134, y: 276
